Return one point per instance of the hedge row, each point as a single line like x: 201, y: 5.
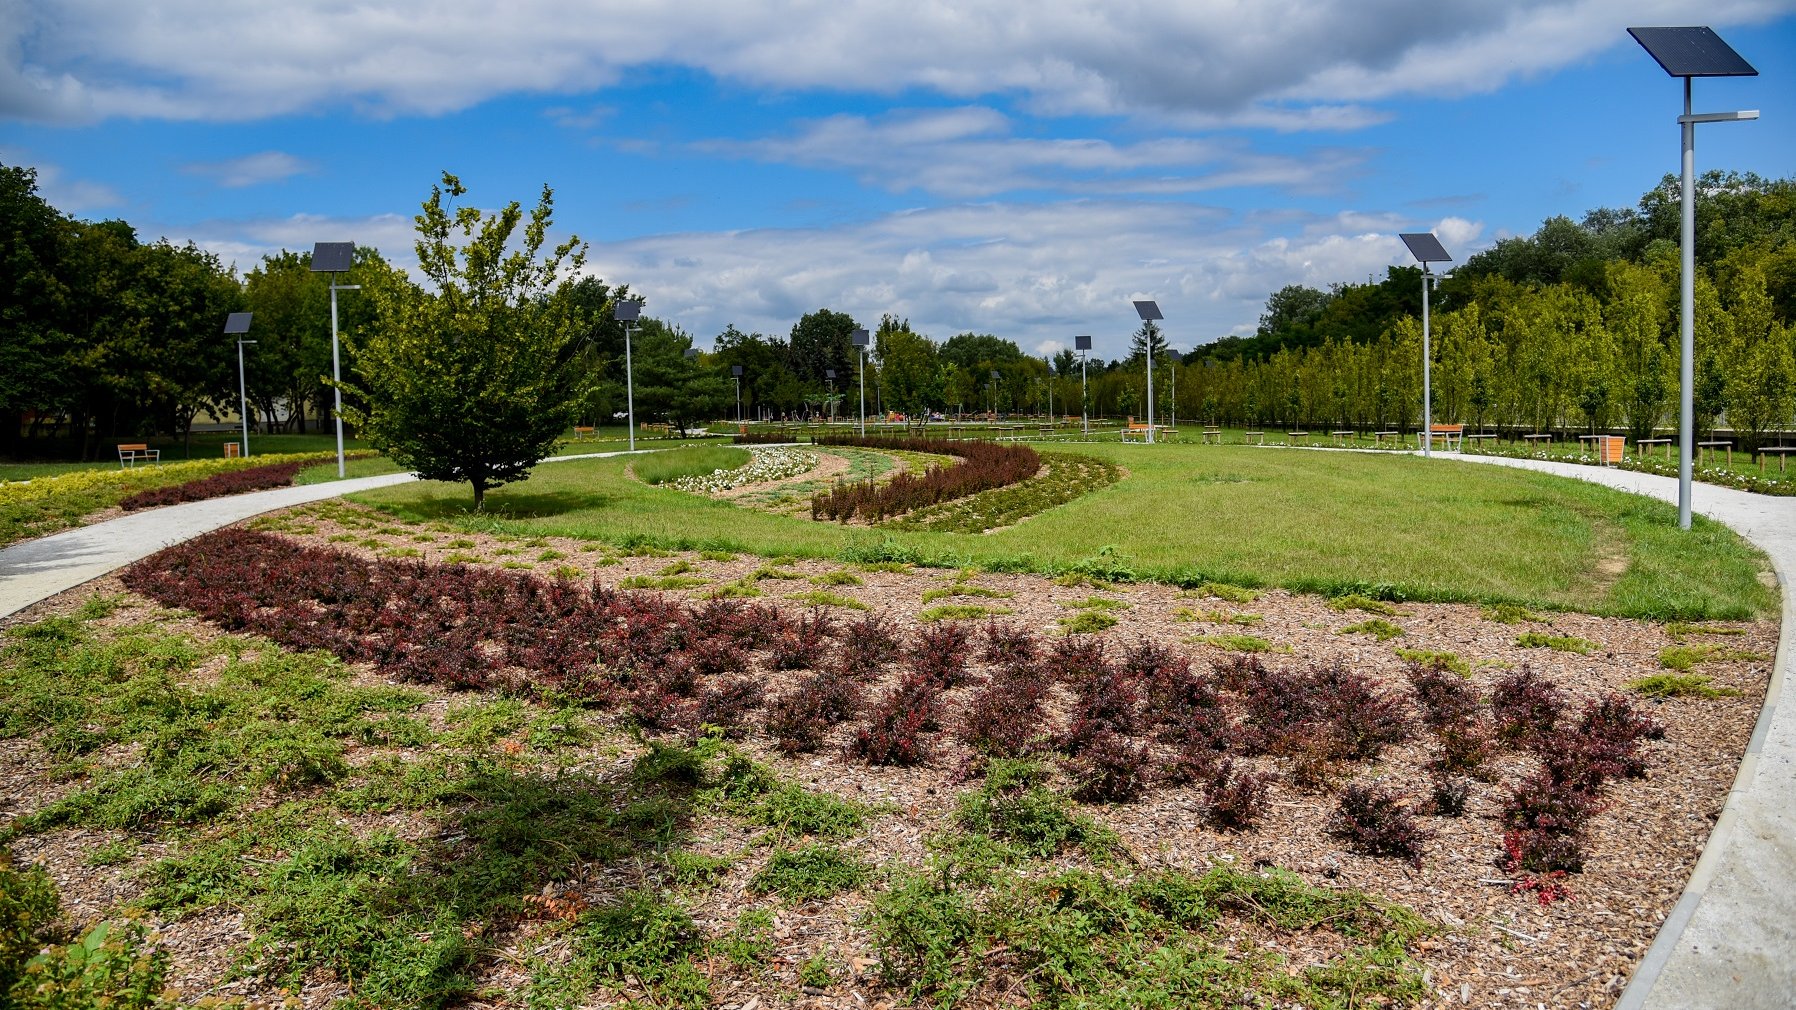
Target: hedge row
x: 982, y: 467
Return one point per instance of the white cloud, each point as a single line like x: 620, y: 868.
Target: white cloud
x: 970, y: 152
x: 1289, y: 64
x: 251, y: 169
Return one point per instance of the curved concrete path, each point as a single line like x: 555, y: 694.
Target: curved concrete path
x: 1730, y: 942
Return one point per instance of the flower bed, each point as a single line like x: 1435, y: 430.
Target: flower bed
x: 767, y: 465
x: 1068, y: 477
x: 256, y: 478
x: 983, y: 466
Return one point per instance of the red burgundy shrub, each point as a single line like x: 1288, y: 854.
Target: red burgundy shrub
x: 939, y: 653
x: 1444, y: 697
x: 869, y: 642
x: 1105, y: 704
x: 894, y: 731
x: 1009, y: 645
x: 1109, y: 769
x: 1377, y: 822
x: 982, y: 467
x: 1233, y: 800
x: 1078, y: 658
x: 1545, y: 819
x: 254, y: 478
x: 1361, y: 717
x: 802, y: 643
x: 726, y: 705
x: 1004, y: 719
x: 1185, y: 710
x: 1525, y: 707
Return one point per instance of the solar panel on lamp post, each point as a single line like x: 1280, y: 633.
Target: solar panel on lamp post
x: 1082, y: 344
x: 1691, y: 53
x: 861, y: 339
x: 334, y: 258
x: 1148, y: 311
x: 238, y: 323
x: 1426, y: 249
x: 628, y: 312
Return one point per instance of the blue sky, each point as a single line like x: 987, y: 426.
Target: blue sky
x: 1018, y: 167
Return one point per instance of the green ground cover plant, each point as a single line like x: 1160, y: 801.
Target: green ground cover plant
x: 1680, y: 685
x: 1086, y: 622
x: 1558, y: 643
x: 1430, y: 657
x: 1686, y: 657
x: 1239, y: 643
x: 1068, y: 477
x: 1378, y: 628
x: 1298, y: 522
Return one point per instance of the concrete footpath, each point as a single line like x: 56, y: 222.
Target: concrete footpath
x: 1730, y: 942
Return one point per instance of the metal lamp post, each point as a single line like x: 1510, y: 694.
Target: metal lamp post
x: 334, y: 258
x: 1690, y: 53
x: 1082, y: 344
x: 736, y: 373
x: 1426, y: 249
x: 1175, y: 393
x: 628, y: 312
x: 238, y: 323
x: 861, y: 339
x: 1148, y: 311
x: 1050, y: 384
x: 994, y: 396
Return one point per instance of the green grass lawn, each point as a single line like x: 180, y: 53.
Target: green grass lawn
x: 1391, y: 526
x: 205, y: 445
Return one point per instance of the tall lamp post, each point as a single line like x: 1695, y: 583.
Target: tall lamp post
x: 1050, y: 384
x: 1175, y: 392
x: 334, y: 258
x: 829, y: 376
x: 628, y: 312
x: 1426, y: 249
x: 1082, y: 344
x: 994, y: 396
x: 860, y: 339
x: 736, y: 373
x: 237, y: 323
x: 1690, y: 53
x: 1148, y: 311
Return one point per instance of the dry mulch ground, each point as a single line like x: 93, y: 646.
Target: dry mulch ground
x: 1495, y: 948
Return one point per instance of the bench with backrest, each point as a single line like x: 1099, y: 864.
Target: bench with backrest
x: 1451, y: 434
x: 134, y: 453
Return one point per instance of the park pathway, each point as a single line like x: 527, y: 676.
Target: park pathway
x: 1730, y: 942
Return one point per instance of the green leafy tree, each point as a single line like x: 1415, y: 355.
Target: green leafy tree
x: 474, y: 376
x: 910, y: 368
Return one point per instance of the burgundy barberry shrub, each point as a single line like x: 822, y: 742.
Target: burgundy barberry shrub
x: 1377, y: 822
x: 255, y: 478
x: 869, y: 642
x: 894, y: 731
x: 1276, y: 706
x: 1360, y: 717
x: 1185, y: 709
x: 1545, y: 819
x: 803, y: 642
x: 1462, y: 748
x: 1525, y: 707
x: 1109, y: 769
x: 1008, y: 645
x: 1078, y: 658
x: 1444, y: 697
x: 1106, y: 704
x: 799, y: 720
x: 939, y: 653
x: 1004, y: 719
x: 982, y: 466
x: 1234, y: 800
x: 726, y: 705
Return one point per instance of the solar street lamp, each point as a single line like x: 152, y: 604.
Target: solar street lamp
x: 1691, y: 53
x: 1426, y: 249
x: 1148, y: 311
x: 861, y: 339
x: 334, y: 258
x: 994, y: 396
x: 736, y: 373
x: 829, y: 375
x: 628, y: 312
x: 238, y: 323
x: 1082, y: 344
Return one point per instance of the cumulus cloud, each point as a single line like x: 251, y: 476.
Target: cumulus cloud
x: 251, y: 169
x: 1304, y: 63
x: 59, y: 189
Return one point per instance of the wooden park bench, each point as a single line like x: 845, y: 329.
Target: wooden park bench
x: 134, y: 453
x: 1640, y: 446
x: 1451, y: 434
x: 1343, y: 435
x: 584, y: 433
x: 1137, y: 429
x: 1212, y: 435
x: 1260, y: 435
x: 1378, y: 437
x: 1548, y: 438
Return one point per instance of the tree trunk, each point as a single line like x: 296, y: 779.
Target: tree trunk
x: 479, y: 494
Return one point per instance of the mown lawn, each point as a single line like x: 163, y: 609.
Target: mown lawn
x: 1396, y: 527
